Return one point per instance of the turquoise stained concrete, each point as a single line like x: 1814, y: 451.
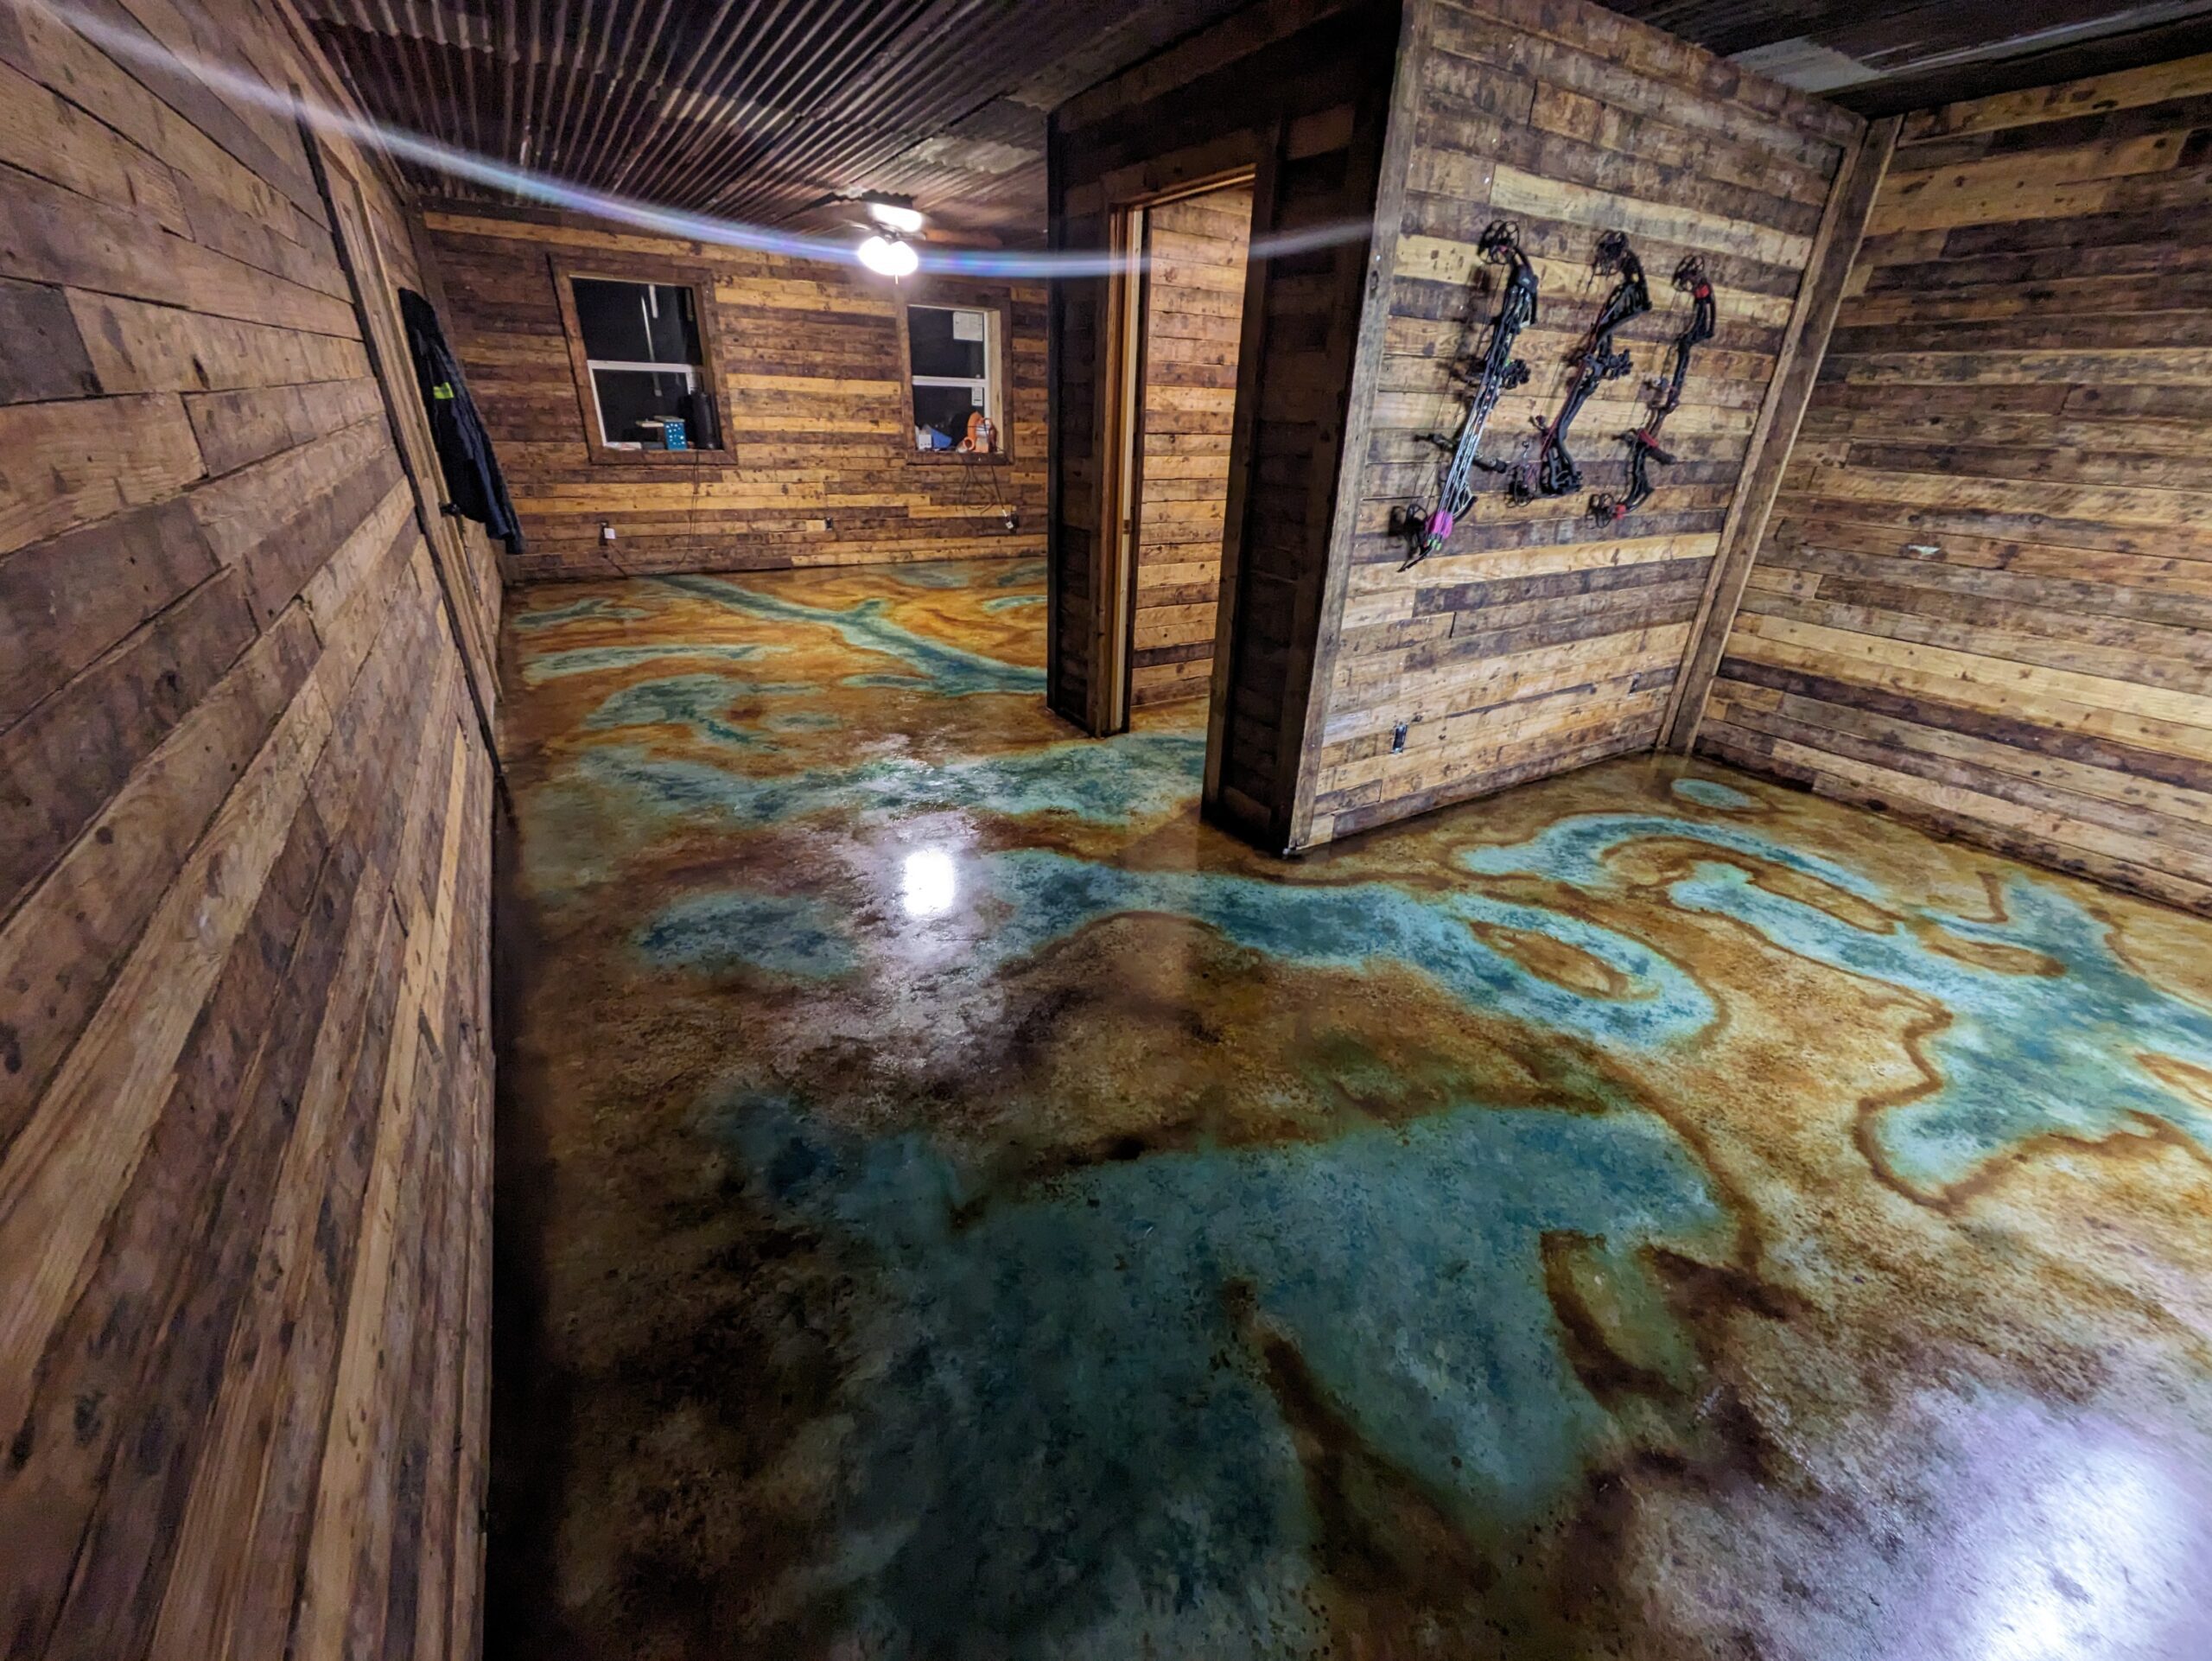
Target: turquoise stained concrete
x: 1046, y: 897
x: 776, y: 934
x: 698, y: 703
x: 593, y: 610
x: 1711, y: 792
x: 592, y: 660
x: 1634, y: 1217
x: 2022, y: 1056
x: 1143, y: 776
x: 948, y: 669
x: 1059, y: 1443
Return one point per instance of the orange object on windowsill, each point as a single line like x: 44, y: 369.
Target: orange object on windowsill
x: 981, y: 439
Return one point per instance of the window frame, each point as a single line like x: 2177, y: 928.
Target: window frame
x: 700, y: 280
x: 998, y: 364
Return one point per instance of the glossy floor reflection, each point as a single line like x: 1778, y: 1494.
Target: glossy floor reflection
x: 957, y: 1206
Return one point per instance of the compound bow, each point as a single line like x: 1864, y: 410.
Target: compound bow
x: 1644, y: 447
x: 1551, y: 471
x: 1499, y: 370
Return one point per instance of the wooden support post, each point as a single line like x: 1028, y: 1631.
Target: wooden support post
x: 1835, y: 246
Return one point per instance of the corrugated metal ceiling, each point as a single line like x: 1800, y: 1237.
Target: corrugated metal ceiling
x: 762, y: 109
x: 752, y: 109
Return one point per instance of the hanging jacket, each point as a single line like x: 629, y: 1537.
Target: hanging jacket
x: 474, y: 487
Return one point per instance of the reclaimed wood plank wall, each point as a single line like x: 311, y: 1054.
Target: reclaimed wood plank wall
x: 1194, y: 308
x: 1298, y: 90
x: 822, y: 468
x: 1984, y: 599
x: 1539, y: 639
x: 244, y: 844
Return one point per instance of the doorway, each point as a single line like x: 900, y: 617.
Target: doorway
x: 1176, y: 419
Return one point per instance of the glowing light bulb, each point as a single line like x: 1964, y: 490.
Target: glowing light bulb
x: 888, y: 257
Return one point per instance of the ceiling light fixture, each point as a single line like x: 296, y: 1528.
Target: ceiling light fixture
x: 902, y: 217
x: 889, y: 256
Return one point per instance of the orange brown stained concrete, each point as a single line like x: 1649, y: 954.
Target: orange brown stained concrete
x: 958, y: 1205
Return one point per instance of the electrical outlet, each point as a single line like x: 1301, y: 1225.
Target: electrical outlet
x: 606, y: 532
x: 1398, y: 739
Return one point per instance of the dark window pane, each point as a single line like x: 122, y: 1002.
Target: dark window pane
x: 936, y: 333
x: 637, y: 322
x: 944, y: 409
x: 630, y: 397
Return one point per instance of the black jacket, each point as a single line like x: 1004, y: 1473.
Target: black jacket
x: 475, y: 488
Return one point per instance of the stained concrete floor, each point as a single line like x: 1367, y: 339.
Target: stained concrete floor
x: 954, y: 1205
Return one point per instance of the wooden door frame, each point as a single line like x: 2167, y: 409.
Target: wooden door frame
x: 1122, y: 446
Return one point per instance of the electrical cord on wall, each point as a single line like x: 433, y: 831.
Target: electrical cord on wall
x: 607, y: 550
x: 698, y: 460
x: 989, y: 463
x: 692, y: 522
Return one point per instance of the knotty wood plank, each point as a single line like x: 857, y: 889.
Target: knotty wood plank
x: 64, y: 602
x: 65, y: 758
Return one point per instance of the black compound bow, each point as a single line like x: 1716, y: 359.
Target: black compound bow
x: 1551, y: 470
x: 1644, y: 446
x: 1488, y: 378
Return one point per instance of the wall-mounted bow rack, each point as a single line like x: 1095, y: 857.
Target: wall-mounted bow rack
x: 1545, y: 465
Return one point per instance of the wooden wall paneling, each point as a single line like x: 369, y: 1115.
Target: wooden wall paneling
x: 1303, y: 393
x: 1194, y: 292
x: 1985, y: 597
x: 244, y: 887
x: 1539, y: 639
x: 1299, y: 90
x: 819, y: 467
x: 467, y: 587
x: 1835, y: 250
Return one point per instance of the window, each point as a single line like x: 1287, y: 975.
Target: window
x: 646, y: 360
x: 953, y: 355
